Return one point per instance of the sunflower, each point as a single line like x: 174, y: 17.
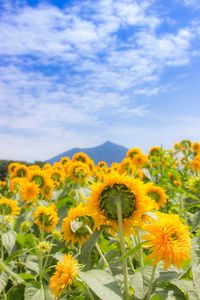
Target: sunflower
x: 132, y: 152
x: 168, y: 239
x: 57, y: 166
x: 79, y: 171
x: 74, y: 225
x: 67, y: 166
x: 126, y: 166
x: 156, y: 193
x: 46, y: 218
x: 140, y: 160
x: 81, y: 157
x: 34, y: 168
x: 9, y: 207
x: 20, y: 171
x: 195, y: 164
x: 39, y: 177
x: 47, y: 191
x: 177, y: 146
x: 154, y: 151
x: 29, y: 191
x: 194, y: 184
x: 2, y: 183
x: 12, y: 166
x: 115, y: 187
x: 57, y: 176
x: 46, y: 167
x: 66, y: 272
x: 64, y: 160
x: 196, y: 147
x: 15, y: 184
x: 115, y: 166
x: 102, y: 164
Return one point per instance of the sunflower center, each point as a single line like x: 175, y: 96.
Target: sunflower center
x: 5, y: 209
x: 81, y: 159
x: 174, y: 236
x: 39, y: 180
x: 114, y: 193
x: 56, y: 177
x: 45, y: 220
x: 21, y: 173
x: 155, y: 196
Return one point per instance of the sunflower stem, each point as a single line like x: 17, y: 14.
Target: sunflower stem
x: 140, y: 250
x: 151, y: 283
x: 100, y: 252
x: 123, y: 249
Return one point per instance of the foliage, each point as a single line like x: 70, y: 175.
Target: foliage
x: 111, y: 214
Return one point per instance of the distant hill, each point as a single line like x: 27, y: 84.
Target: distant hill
x: 109, y: 152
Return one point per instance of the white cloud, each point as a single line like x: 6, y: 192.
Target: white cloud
x: 68, y: 70
x: 192, y: 3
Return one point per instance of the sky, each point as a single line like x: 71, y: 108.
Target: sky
x: 79, y: 73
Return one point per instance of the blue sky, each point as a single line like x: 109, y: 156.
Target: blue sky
x: 78, y: 73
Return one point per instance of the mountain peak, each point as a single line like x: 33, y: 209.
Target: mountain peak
x: 108, y: 152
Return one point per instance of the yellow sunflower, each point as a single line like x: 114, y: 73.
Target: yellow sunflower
x: 2, y: 183
x: 155, y: 150
x: 102, y: 164
x: 168, y: 240
x: 47, y: 191
x: 67, y: 166
x: 64, y: 160
x: 39, y: 177
x: 195, y: 164
x: 140, y: 160
x: 115, y: 187
x: 81, y: 157
x: 79, y: 171
x: 58, y: 177
x: 196, y: 147
x: 73, y: 226
x: 29, y: 191
x: 15, y: 184
x: 194, y: 184
x: 156, y: 193
x: 20, y: 171
x: 66, y: 272
x: 9, y: 207
x: 12, y: 166
x: 132, y: 152
x: 46, y: 218
x: 46, y: 167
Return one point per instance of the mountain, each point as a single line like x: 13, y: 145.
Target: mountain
x: 109, y: 152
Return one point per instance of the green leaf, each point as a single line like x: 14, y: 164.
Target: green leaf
x: 33, y: 293
x: 74, y: 225
x: 146, y: 272
x: 3, y: 280
x: 132, y: 251
x: 147, y: 174
x: 16, y: 292
x: 32, y: 263
x: 196, y: 263
x: 26, y: 276
x: 136, y: 282
x: 195, y: 220
x: 85, y: 256
x: 102, y: 284
x: 8, y: 240
x: 186, y: 286
x: 58, y: 256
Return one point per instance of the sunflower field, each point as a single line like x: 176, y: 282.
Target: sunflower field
x: 76, y: 230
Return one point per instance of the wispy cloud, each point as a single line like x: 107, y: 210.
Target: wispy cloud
x: 78, y: 67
